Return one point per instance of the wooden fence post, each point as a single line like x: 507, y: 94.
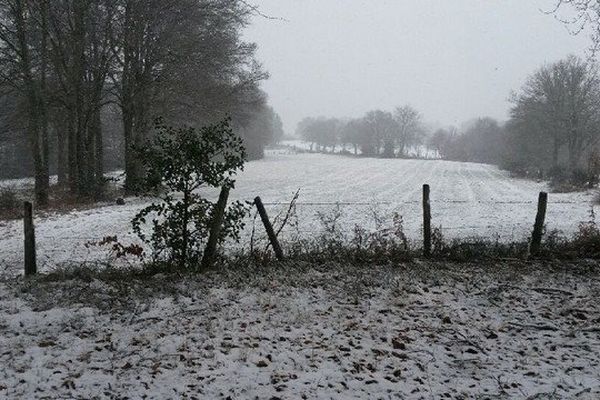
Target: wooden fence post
x: 215, y: 229
x: 426, y: 222
x: 538, y: 228
x: 270, y: 232
x: 30, y: 260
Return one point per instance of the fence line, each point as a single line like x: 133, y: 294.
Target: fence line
x: 426, y: 226
x: 349, y: 203
x: 323, y: 203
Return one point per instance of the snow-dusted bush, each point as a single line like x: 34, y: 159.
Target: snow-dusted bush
x: 185, y: 160
x: 586, y: 241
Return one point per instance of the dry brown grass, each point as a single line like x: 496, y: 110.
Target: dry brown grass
x: 61, y: 200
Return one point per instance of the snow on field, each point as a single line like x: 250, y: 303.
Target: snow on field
x: 27, y: 183
x: 419, y: 151
x: 468, y: 199
x: 414, y: 331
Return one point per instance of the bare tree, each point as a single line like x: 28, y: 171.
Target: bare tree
x: 352, y: 132
x: 321, y: 131
x: 184, y: 60
x: 579, y: 15
x: 563, y: 101
x: 383, y: 130
x: 410, y: 128
x: 24, y: 68
x: 80, y: 34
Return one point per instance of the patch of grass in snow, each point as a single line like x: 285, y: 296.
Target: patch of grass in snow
x: 100, y: 286
x: 61, y: 200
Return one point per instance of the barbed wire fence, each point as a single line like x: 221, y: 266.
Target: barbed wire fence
x: 524, y: 228
x: 53, y: 249
x: 440, y: 223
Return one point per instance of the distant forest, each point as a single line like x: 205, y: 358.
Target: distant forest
x: 553, y: 130
x: 378, y: 133
x: 82, y: 82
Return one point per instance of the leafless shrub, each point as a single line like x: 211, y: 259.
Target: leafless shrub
x: 330, y: 221
x: 586, y: 241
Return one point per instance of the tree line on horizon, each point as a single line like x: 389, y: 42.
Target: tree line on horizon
x: 553, y: 130
x: 378, y: 133
x: 81, y: 82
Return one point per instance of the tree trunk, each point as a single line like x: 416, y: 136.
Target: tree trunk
x: 83, y: 142
x: 402, y: 149
x: 72, y: 146
x: 33, y: 103
x: 131, y: 173
x: 41, y: 176
x: 45, y: 152
x: 90, y: 157
x: 555, y: 149
x: 135, y: 135
x: 42, y: 101
x: 99, y: 156
x: 388, y: 149
x: 183, y: 261
x: 131, y: 83
x: 81, y: 159
x: 575, y: 150
x: 61, y: 149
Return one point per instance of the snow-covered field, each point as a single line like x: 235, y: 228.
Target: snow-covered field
x: 468, y: 199
x: 419, y: 151
x: 27, y: 183
x: 418, y: 331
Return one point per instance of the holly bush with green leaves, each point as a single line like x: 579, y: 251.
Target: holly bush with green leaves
x: 186, y: 160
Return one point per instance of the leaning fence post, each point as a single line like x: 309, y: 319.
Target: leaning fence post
x: 270, y: 232
x: 538, y: 228
x: 30, y: 261
x: 215, y: 229
x: 426, y: 222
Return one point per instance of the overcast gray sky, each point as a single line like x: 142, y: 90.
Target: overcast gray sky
x: 452, y: 59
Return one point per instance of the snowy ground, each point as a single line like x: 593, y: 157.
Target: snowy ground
x: 27, y: 183
x: 468, y: 199
x: 414, y: 331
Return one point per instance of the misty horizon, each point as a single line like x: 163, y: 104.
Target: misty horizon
x: 454, y: 62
